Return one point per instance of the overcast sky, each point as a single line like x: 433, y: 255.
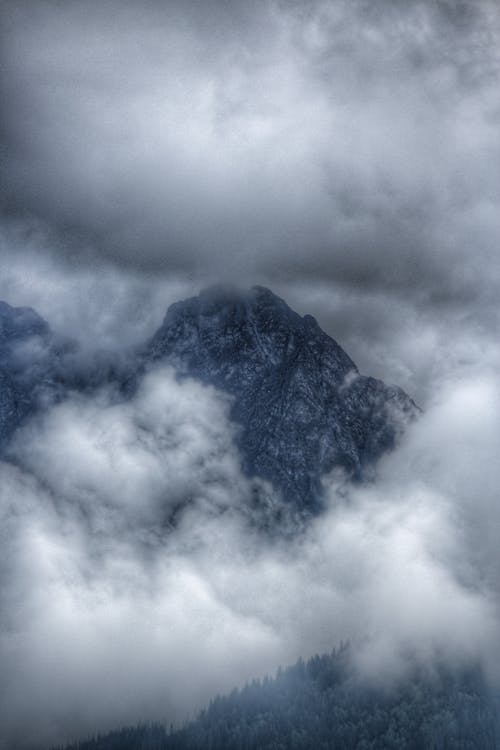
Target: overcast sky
x: 346, y: 154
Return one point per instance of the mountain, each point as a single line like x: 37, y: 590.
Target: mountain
x: 324, y: 704
x: 302, y: 406
x: 24, y: 338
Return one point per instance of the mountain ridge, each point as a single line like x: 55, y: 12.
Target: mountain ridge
x: 302, y: 405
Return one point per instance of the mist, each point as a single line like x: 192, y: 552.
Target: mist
x: 343, y: 154
x: 135, y: 582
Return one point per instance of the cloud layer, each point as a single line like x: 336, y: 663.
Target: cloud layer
x: 344, y: 154
x: 311, y: 140
x: 341, y: 154
x: 134, y: 587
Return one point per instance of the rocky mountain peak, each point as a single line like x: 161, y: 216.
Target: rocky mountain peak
x: 19, y: 323
x: 240, y: 335
x: 302, y: 406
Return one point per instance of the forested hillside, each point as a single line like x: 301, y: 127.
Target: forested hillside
x: 323, y: 704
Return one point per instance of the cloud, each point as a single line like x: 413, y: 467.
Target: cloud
x: 143, y: 457
x: 343, y: 157
x: 89, y: 546
x: 342, y: 154
x: 134, y: 585
x: 96, y: 303
x: 290, y: 140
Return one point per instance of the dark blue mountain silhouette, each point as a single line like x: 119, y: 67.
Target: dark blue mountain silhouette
x: 303, y: 407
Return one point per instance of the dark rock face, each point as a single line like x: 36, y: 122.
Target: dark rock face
x: 24, y: 338
x: 302, y: 405
x: 19, y: 324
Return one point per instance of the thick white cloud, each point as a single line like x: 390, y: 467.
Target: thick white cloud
x: 136, y: 461
x: 114, y: 611
x: 344, y: 154
x: 288, y: 140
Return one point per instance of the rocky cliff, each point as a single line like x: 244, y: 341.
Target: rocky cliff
x: 301, y: 404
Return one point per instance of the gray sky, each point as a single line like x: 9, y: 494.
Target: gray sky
x: 345, y: 154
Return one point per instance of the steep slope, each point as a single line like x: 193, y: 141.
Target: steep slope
x: 323, y: 704
x: 302, y: 406
x: 24, y: 338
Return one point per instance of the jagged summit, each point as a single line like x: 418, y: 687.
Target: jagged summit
x: 19, y: 323
x: 302, y: 405
x: 229, y: 325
